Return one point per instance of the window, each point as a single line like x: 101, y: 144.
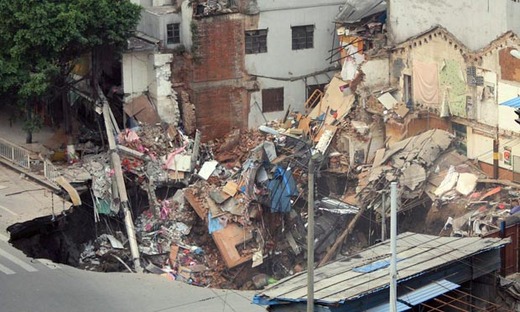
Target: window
x: 173, y: 33
x: 312, y: 88
x: 272, y: 100
x: 302, y: 37
x: 256, y: 41
x: 461, y: 137
x: 408, y: 91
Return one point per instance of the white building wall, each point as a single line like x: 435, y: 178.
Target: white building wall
x: 513, y: 16
x: 161, y: 91
x: 136, y: 69
x: 187, y: 18
x: 377, y: 73
x: 281, y: 64
x: 154, y: 25
x: 480, y: 147
x: 474, y: 22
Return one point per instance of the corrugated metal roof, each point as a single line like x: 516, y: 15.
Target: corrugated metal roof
x: 429, y: 291
x: 515, y: 103
x: 386, y: 307
x: 355, y: 10
x: 418, y: 296
x: 337, y: 282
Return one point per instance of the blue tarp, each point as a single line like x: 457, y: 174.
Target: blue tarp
x: 282, y: 187
x: 214, y: 224
x: 514, y: 103
x: 374, y: 266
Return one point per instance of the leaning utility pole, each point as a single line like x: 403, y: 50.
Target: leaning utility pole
x: 120, y: 182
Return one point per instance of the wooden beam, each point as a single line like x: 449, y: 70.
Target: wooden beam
x: 339, y: 241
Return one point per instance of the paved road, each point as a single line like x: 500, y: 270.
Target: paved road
x: 38, y: 285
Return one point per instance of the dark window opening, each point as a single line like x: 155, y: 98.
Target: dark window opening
x: 272, y: 100
x: 173, y: 33
x: 256, y: 41
x: 461, y: 138
x: 302, y: 37
x: 407, y: 91
x: 312, y: 88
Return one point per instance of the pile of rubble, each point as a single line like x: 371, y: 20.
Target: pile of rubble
x: 232, y: 213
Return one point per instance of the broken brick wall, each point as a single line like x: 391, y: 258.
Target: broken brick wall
x: 219, y: 109
x: 424, y: 123
x: 213, y: 74
x: 509, y: 65
x: 397, y: 131
x: 503, y: 173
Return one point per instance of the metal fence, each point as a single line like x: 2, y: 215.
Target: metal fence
x: 15, y: 154
x: 50, y: 171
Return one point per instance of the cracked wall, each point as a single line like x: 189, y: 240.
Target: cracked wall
x: 161, y: 91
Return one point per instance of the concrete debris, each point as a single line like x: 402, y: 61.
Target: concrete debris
x: 409, y: 162
x: 484, y: 211
x: 232, y: 212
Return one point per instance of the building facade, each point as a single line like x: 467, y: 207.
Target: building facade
x: 482, y: 22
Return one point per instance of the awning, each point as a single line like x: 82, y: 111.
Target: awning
x: 515, y: 102
x: 418, y: 296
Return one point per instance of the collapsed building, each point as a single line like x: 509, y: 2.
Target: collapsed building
x: 229, y: 208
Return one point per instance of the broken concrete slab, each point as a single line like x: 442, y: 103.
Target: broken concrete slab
x: 413, y: 176
x: 387, y: 100
x: 466, y: 183
x: 207, y: 169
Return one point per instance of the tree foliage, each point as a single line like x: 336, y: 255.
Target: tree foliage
x: 40, y: 40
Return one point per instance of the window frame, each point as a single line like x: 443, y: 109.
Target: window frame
x: 273, y: 100
x: 302, y: 37
x: 173, y: 35
x: 256, y: 40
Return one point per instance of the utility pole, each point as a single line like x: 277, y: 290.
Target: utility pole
x: 310, y: 236
x: 393, y: 247
x: 496, y: 155
x: 383, y: 216
x: 118, y: 174
x: 310, y: 215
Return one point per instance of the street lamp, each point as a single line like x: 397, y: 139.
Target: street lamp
x: 310, y: 216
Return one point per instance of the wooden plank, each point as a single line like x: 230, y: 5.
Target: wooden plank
x: 214, y: 208
x: 73, y: 193
x: 227, y: 239
x: 196, y: 204
x: 334, y: 101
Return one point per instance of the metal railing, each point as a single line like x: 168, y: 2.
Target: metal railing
x: 15, y: 154
x: 50, y: 171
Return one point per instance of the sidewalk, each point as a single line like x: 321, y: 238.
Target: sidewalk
x: 13, y: 132
x: 22, y: 199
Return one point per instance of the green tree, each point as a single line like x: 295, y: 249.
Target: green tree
x: 42, y: 40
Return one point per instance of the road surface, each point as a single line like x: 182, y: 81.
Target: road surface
x: 38, y: 285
